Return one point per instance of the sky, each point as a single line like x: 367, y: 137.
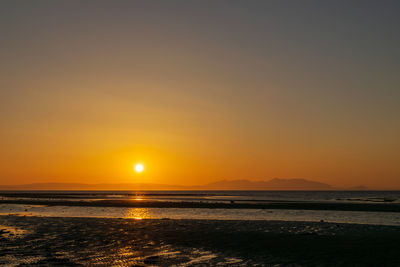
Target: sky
x: 199, y: 91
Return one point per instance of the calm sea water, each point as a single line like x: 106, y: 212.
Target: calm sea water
x: 379, y: 218
x: 216, y: 196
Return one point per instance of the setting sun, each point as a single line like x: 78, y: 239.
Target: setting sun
x: 139, y: 167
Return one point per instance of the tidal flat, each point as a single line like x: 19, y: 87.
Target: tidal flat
x: 64, y: 241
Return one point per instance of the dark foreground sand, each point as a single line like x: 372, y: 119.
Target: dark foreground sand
x: 128, y: 242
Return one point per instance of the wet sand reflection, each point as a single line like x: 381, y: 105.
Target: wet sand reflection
x: 137, y: 213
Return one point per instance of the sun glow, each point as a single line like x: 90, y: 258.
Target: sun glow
x: 137, y: 213
x: 139, y: 167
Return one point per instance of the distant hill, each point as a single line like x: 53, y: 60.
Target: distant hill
x: 358, y: 188
x: 78, y: 186
x: 273, y: 184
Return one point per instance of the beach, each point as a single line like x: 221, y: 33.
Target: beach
x: 202, y: 228
x: 165, y: 242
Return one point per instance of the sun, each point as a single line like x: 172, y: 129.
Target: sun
x: 139, y: 167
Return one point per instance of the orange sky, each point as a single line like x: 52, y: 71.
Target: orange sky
x: 197, y: 94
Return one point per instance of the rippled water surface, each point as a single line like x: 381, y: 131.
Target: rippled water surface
x: 377, y: 218
x: 361, y: 217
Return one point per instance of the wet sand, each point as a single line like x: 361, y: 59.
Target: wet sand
x: 376, y: 207
x: 128, y: 242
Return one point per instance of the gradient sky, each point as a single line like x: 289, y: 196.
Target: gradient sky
x: 200, y: 91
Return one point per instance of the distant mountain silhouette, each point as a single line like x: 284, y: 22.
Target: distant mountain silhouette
x: 78, y: 186
x: 273, y: 184
x: 358, y: 188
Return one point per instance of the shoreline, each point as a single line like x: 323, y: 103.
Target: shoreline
x: 373, y: 207
x: 358, y: 217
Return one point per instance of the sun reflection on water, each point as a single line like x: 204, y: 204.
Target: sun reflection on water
x: 137, y: 197
x: 137, y: 213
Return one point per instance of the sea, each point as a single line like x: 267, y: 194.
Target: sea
x: 359, y: 217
